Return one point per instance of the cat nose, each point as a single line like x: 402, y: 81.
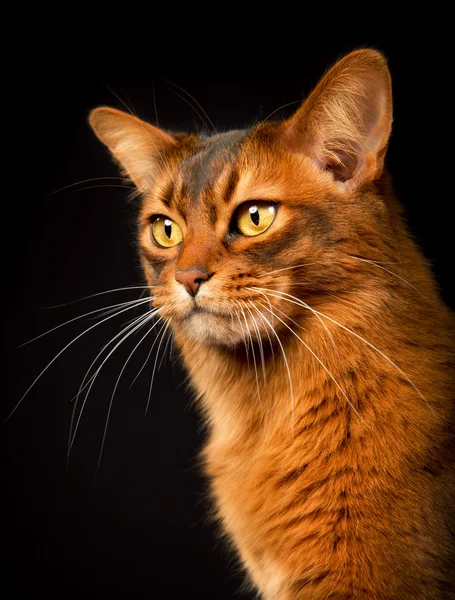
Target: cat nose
x: 191, y: 279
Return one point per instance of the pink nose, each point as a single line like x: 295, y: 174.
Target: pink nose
x: 191, y: 279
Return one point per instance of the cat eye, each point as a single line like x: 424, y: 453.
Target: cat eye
x: 165, y: 232
x: 255, y: 217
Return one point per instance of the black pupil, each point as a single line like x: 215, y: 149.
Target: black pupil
x: 168, y: 230
x: 255, y: 216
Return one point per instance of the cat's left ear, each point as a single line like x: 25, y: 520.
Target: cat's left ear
x: 138, y: 146
x: 345, y: 123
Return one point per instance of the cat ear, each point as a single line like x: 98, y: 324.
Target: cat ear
x: 135, y: 144
x: 344, y: 125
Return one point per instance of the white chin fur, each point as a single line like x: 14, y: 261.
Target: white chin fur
x: 213, y: 329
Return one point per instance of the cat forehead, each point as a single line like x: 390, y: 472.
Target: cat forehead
x: 209, y: 173
x: 215, y: 159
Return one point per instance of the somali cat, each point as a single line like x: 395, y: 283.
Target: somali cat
x: 314, y: 337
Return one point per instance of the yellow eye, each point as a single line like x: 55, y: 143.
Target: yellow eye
x: 253, y: 218
x: 166, y: 232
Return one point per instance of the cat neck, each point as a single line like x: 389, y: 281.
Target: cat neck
x: 285, y: 384
x: 357, y: 354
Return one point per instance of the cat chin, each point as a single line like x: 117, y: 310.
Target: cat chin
x: 212, y: 329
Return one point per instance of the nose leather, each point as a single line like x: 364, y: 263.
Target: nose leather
x: 191, y: 279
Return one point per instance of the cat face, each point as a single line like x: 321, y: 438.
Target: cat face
x: 232, y: 226
x: 233, y: 214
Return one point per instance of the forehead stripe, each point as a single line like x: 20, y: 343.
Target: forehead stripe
x: 167, y: 194
x: 231, y: 184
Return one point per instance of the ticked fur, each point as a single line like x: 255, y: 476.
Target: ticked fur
x: 321, y: 352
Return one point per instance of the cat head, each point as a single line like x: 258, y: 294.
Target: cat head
x: 234, y: 225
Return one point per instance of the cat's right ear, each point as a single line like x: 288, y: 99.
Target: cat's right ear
x: 135, y: 144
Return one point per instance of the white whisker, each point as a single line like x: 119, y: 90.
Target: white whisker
x: 244, y: 334
x: 148, y: 355
x: 325, y: 262
x: 134, y: 287
x: 266, y: 330
x: 133, y: 110
x: 63, y: 350
x: 154, y: 103
x: 306, y: 306
x: 154, y: 368
x: 194, y: 100
x: 86, y: 382
x: 128, y: 108
x: 163, y: 354
x: 375, y: 264
x: 293, y: 267
x: 252, y: 353
x: 261, y: 349
x: 372, y: 346
x: 130, y: 303
x: 280, y: 108
x: 151, y: 316
x: 141, y: 123
x: 286, y: 284
x: 322, y: 364
x: 139, y: 323
x: 389, y: 360
x: 110, y: 185
x: 66, y: 187
x: 291, y: 388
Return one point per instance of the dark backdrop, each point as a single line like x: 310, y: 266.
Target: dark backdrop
x: 139, y: 525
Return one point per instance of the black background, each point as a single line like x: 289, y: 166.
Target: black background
x: 139, y: 525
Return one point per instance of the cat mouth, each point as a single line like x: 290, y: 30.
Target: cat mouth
x: 210, y: 326
x: 204, y: 311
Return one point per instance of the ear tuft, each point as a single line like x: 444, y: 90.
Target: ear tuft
x: 345, y: 123
x: 135, y: 144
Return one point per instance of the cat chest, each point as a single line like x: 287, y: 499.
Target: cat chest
x: 288, y: 502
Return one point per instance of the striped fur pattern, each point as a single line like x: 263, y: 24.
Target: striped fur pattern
x: 320, y: 351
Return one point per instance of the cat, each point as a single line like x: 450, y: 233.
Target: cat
x: 314, y: 336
